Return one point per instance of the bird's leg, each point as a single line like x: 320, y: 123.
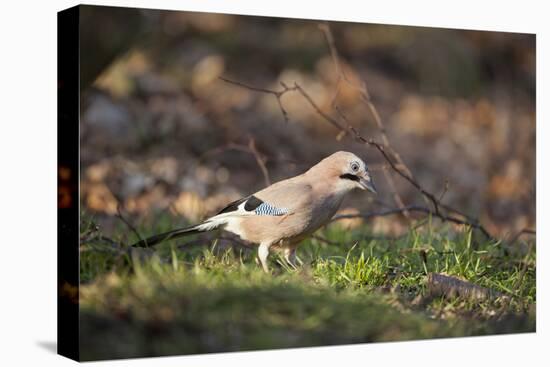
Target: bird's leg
x: 290, y: 256
x: 263, y: 253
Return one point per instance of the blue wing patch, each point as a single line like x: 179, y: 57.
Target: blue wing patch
x: 267, y: 209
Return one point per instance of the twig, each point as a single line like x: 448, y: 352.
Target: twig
x: 250, y: 148
x: 527, y: 231
x: 99, y: 238
x: 340, y: 72
x: 260, y: 160
x: 366, y: 99
x: 396, y: 197
x: 320, y: 112
x: 395, y: 194
x: 92, y: 246
x: 128, y: 224
x: 246, y: 149
x: 445, y: 189
x: 277, y: 94
x: 412, y: 208
x: 523, y: 231
x: 324, y: 240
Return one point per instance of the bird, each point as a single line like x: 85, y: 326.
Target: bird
x: 283, y: 214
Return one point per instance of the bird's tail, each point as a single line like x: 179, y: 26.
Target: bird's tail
x: 156, y: 239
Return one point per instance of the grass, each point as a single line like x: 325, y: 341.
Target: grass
x: 352, y: 288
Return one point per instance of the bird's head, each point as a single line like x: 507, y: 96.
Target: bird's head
x: 348, y: 171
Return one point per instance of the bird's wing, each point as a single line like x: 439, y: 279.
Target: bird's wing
x: 279, y: 199
x: 288, y: 195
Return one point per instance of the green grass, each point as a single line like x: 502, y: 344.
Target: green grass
x: 211, y: 297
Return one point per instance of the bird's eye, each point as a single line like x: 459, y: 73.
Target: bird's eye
x: 354, y: 166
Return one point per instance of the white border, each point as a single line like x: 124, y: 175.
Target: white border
x: 28, y: 167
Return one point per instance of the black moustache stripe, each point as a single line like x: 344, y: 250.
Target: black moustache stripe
x: 349, y: 176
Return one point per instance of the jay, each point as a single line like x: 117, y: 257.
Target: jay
x: 283, y: 214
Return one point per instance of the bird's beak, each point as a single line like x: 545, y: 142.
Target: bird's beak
x: 366, y: 183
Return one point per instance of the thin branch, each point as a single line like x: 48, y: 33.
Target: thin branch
x: 128, y: 224
x: 396, y: 197
x: 341, y: 75
x: 260, y: 160
x: 340, y: 72
x: 277, y: 94
x: 317, y: 109
x: 445, y: 190
x: 366, y: 99
x: 400, y: 172
x: 324, y: 240
x: 99, y: 238
x: 521, y: 232
x: 414, y: 208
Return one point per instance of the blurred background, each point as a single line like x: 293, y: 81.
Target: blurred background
x: 162, y: 134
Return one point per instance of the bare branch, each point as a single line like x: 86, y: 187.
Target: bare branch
x: 317, y: 109
x: 260, y: 160
x: 521, y: 232
x: 128, y: 224
x: 341, y: 76
x: 396, y: 197
x: 250, y: 148
x: 277, y: 94
x: 324, y: 240
x: 366, y: 99
x: 415, y: 208
x: 445, y: 189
